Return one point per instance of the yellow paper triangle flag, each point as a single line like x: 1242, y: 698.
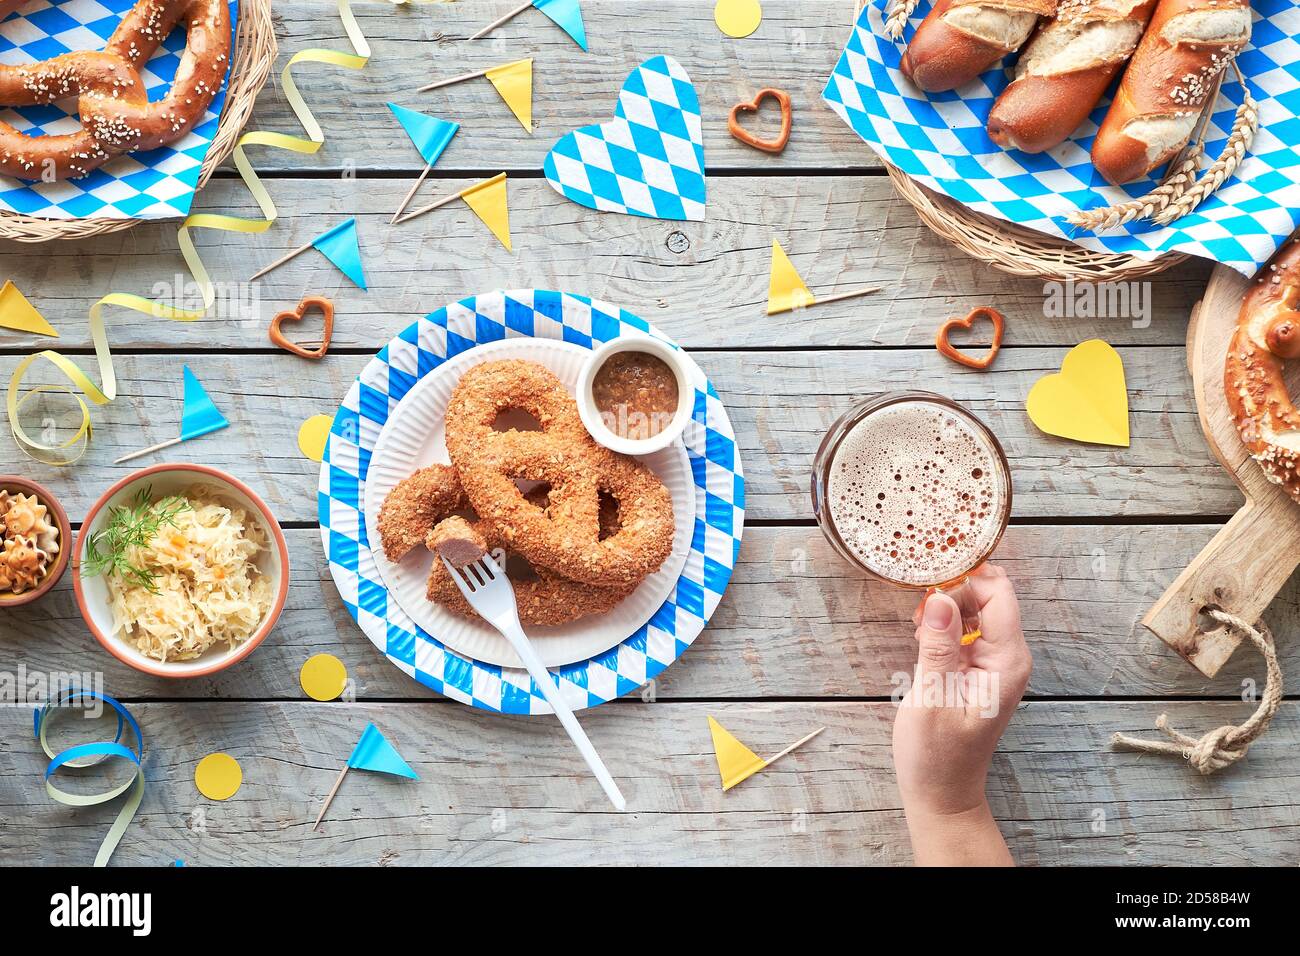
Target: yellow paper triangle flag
x: 20, y: 315
x: 1087, y: 400
x: 488, y: 200
x: 514, y: 81
x: 785, y: 287
x: 736, y: 762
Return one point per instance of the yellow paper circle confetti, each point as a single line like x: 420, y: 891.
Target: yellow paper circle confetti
x: 313, y: 434
x: 738, y: 18
x: 323, y: 677
x: 218, y: 776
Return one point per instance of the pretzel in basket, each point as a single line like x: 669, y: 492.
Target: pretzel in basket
x: 1268, y: 333
x: 565, y: 537
x: 116, y: 115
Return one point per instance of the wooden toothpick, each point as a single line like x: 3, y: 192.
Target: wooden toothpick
x: 144, y: 451
x: 330, y: 797
x: 841, y: 296
x: 281, y: 261
x: 411, y: 194
x: 455, y: 79
x: 496, y: 23
x: 798, y: 743
x: 430, y: 208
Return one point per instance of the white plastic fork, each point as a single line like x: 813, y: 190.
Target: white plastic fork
x: 490, y: 593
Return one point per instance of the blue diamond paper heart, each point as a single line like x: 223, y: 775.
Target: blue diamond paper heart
x: 648, y: 160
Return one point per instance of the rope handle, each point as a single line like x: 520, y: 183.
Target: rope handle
x: 1222, y: 746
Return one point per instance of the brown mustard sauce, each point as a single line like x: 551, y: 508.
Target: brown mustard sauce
x: 636, y: 394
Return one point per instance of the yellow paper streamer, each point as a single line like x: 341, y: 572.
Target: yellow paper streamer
x: 67, y: 452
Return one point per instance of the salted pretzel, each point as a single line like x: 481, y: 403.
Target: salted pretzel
x: 565, y: 537
x: 116, y: 115
x: 1268, y: 333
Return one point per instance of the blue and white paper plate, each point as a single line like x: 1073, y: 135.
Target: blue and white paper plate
x: 422, y: 347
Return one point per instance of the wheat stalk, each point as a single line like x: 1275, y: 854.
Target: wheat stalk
x: 1244, y: 127
x: 897, y: 15
x: 1144, y: 207
x: 1180, y: 193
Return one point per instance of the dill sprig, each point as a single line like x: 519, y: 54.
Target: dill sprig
x: 131, y: 526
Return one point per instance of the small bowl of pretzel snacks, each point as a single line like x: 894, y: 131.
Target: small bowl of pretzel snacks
x: 34, y: 536
x: 180, y: 570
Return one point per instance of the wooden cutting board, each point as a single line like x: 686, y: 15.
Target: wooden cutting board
x: 1242, y: 569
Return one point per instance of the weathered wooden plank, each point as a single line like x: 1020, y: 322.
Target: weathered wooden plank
x: 795, y: 48
x: 842, y: 232
x: 796, y: 622
x: 512, y: 791
x: 780, y: 403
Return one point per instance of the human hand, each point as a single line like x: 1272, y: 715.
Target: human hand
x: 950, y: 720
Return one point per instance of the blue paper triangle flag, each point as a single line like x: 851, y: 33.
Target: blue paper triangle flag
x: 373, y: 752
x: 429, y: 134
x: 341, y: 248
x: 198, y: 415
x: 567, y: 16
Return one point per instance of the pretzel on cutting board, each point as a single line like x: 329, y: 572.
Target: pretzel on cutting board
x: 1268, y: 333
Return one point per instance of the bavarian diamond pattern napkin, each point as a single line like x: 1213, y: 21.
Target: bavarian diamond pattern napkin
x: 158, y: 184
x: 646, y: 161
x: 939, y: 140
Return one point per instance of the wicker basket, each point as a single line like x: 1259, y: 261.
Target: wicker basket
x: 255, y: 51
x: 1017, y: 249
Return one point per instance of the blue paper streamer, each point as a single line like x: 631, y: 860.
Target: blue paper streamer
x: 88, y: 755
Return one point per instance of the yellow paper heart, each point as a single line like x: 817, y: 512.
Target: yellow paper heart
x: 1087, y: 400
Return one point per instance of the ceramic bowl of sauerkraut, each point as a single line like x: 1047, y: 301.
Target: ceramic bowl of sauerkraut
x: 180, y: 570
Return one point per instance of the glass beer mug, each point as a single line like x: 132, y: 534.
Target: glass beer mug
x: 914, y: 490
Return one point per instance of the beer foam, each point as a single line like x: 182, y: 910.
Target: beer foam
x: 916, y: 492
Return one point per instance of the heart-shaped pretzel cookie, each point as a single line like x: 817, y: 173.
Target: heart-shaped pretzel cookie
x: 296, y: 315
x: 949, y: 350
x: 749, y: 139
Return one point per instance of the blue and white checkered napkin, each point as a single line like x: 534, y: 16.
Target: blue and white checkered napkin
x: 939, y: 140
x: 646, y: 161
x: 158, y: 184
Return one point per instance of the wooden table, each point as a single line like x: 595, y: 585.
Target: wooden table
x: 799, y: 641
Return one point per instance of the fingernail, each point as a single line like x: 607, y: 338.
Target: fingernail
x: 938, y: 613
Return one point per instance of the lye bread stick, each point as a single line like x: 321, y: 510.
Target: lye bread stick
x: 1065, y: 70
x: 960, y: 39
x: 1172, y: 73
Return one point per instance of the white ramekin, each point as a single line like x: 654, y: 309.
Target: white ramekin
x: 674, y: 358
